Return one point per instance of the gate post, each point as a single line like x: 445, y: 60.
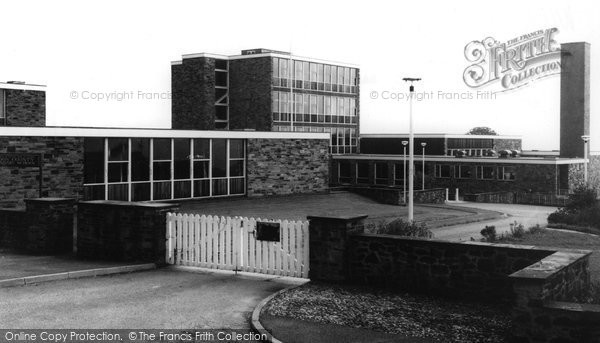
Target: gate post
x: 328, y: 242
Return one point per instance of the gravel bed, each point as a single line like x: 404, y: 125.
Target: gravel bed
x: 438, y: 319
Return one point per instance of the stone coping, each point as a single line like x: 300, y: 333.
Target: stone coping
x: 592, y: 309
x: 128, y: 204
x: 49, y: 199
x: 338, y: 218
x: 551, y: 264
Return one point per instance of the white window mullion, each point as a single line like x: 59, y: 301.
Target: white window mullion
x: 151, y: 169
x: 105, y: 168
x: 191, y: 157
x: 210, y: 179
x: 172, y: 168
x: 129, y: 183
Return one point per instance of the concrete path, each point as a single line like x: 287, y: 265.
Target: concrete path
x: 164, y: 298
x: 527, y: 215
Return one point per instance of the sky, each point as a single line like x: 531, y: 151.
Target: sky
x: 121, y: 50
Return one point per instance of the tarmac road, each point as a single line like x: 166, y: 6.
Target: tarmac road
x: 527, y: 215
x: 158, y: 299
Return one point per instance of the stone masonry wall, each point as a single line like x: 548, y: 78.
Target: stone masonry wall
x: 287, y: 166
x: 44, y: 227
x: 62, y: 169
x: 507, y: 144
x: 250, y: 102
x: 122, y: 231
x: 25, y: 107
x: 466, y: 270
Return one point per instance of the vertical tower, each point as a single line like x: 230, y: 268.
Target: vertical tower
x: 574, y: 98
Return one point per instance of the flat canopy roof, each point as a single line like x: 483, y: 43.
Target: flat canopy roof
x: 21, y: 86
x: 12, y: 131
x: 266, y: 54
x: 452, y: 159
x: 435, y: 135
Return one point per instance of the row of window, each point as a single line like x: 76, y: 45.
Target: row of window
x: 141, y: 169
x: 314, y: 76
x: 313, y: 108
x: 504, y: 173
x: 342, y: 140
x: 381, y: 172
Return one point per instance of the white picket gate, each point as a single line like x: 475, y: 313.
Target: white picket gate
x: 231, y: 244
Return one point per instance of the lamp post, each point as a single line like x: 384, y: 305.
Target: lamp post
x: 423, y: 144
x: 586, y: 142
x: 411, y: 151
x: 404, y: 172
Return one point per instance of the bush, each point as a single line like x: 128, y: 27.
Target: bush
x: 582, y: 209
x: 535, y: 229
x: 401, y: 227
x: 489, y: 233
x: 517, y: 230
x: 582, y: 198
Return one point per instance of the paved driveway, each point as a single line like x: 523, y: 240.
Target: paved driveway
x: 164, y: 298
x: 527, y: 215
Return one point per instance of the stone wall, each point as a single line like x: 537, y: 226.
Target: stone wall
x: 492, y: 197
x: 44, y: 227
x: 122, y: 231
x: 193, y: 94
x: 25, y: 107
x: 250, y: 89
x: 62, y: 169
x: 287, y: 166
x: 507, y: 144
x: 462, y: 270
x: 395, y: 196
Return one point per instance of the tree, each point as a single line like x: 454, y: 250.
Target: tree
x: 482, y: 130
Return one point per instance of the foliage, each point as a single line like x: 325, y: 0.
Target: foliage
x: 582, y: 209
x: 592, y: 295
x: 482, y: 130
x: 401, y: 227
x: 489, y: 233
x: 517, y: 230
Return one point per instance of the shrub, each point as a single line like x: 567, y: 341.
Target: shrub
x: 535, y: 229
x: 401, y: 227
x: 582, y: 198
x: 517, y: 230
x: 489, y: 233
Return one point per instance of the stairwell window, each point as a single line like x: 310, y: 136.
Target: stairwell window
x: 2, y: 108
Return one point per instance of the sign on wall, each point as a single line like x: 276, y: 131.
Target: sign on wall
x: 20, y: 160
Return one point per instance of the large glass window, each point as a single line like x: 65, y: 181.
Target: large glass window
x: 485, y: 172
x: 140, y: 169
x: 381, y: 173
x: 93, y: 160
x: 443, y: 171
x: 463, y: 172
x: 506, y: 173
x: 362, y: 172
x: 345, y: 172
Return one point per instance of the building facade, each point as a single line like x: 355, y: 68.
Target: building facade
x: 266, y: 90
x: 148, y: 164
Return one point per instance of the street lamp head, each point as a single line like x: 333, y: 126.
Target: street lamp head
x: 404, y: 142
x: 423, y: 144
x: 411, y: 79
x: 585, y: 138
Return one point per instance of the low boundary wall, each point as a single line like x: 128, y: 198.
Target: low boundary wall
x: 541, y: 284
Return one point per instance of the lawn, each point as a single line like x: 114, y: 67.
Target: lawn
x: 562, y: 239
x: 298, y: 207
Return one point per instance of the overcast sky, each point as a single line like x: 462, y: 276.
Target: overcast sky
x: 127, y: 46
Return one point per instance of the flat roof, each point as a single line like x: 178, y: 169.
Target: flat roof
x: 22, y: 86
x: 430, y: 158
x: 436, y: 135
x: 266, y: 54
x: 12, y: 131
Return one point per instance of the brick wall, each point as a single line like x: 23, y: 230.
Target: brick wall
x: 250, y: 102
x: 287, y: 166
x: 122, y: 231
x: 62, y: 169
x: 25, y: 107
x: 193, y: 94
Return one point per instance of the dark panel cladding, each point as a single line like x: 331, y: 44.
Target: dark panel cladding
x: 287, y: 166
x: 62, y: 168
x: 393, y: 146
x: 25, y: 107
x: 250, y: 94
x: 574, y: 98
x: 193, y: 94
